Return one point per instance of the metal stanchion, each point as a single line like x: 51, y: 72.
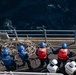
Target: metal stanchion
x: 75, y: 36
x: 11, y: 73
x: 16, y: 34
x: 16, y: 40
x: 27, y: 37
x: 45, y: 35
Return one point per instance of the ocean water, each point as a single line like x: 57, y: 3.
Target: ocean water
x: 38, y: 14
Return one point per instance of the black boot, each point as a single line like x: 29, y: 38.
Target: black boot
x: 30, y: 67
x: 40, y: 66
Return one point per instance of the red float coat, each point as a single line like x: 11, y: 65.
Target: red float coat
x: 42, y: 53
x: 63, y: 54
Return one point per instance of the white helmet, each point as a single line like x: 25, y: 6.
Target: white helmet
x: 72, y: 64
x: 54, y: 62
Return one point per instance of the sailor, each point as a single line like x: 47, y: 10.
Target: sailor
x: 70, y: 68
x: 8, y: 60
x: 52, y: 66
x: 42, y: 54
x: 24, y: 56
x: 63, y: 54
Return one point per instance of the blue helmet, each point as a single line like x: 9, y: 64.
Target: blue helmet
x: 6, y: 51
x: 21, y: 47
x: 64, y: 45
x: 42, y: 44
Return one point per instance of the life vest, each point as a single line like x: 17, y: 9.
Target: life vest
x: 62, y: 54
x: 42, y: 53
x: 7, y: 60
x: 23, y: 55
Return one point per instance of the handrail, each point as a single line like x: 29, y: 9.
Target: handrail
x: 42, y: 30
x: 43, y: 34
x: 29, y: 73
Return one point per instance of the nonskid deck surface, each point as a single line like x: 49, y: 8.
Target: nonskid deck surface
x: 35, y: 63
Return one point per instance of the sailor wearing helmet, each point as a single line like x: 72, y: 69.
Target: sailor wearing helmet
x: 52, y: 66
x: 70, y: 68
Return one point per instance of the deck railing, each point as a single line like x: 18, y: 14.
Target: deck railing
x: 40, y: 33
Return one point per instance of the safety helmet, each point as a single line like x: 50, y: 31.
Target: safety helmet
x: 6, y: 51
x: 21, y: 47
x: 64, y: 45
x: 54, y: 62
x: 73, y: 64
x: 42, y: 44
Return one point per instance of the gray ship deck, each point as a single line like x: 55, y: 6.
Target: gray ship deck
x: 55, y: 42
x: 52, y: 40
